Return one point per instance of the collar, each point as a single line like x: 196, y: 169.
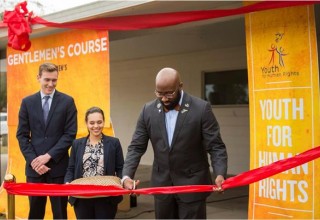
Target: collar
x: 43, y: 95
x: 177, y: 107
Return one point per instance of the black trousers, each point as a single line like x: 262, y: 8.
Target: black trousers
x: 95, y: 208
x: 173, y: 208
x: 38, y: 203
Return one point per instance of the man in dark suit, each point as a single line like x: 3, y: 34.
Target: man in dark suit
x: 47, y: 127
x: 182, y: 130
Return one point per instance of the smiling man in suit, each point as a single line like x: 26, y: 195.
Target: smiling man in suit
x: 47, y: 127
x: 183, y: 131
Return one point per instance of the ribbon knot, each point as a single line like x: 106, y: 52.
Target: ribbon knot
x: 18, y: 27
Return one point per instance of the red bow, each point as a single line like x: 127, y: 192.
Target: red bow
x: 18, y: 27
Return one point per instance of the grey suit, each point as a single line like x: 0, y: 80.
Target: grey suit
x: 186, y: 161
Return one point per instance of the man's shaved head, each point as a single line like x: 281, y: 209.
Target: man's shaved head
x: 168, y: 87
x: 167, y: 76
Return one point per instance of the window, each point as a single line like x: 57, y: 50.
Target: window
x: 3, y: 124
x: 226, y: 87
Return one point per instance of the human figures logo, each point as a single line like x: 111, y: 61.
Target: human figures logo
x: 276, y: 65
x: 279, y: 49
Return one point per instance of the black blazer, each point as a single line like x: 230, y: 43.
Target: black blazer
x: 113, y: 161
x: 35, y: 138
x: 186, y: 161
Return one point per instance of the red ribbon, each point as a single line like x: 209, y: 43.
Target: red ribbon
x: 251, y: 176
x: 19, y: 26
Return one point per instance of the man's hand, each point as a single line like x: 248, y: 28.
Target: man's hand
x: 130, y: 184
x: 40, y: 160
x: 219, y: 180
x: 42, y: 169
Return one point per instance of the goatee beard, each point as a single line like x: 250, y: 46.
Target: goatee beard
x: 174, y: 102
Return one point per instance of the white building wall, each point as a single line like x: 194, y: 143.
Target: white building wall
x: 132, y: 85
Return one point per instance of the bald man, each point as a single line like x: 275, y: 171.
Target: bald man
x: 183, y: 131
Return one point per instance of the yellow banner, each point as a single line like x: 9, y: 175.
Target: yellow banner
x: 83, y: 60
x: 284, y: 110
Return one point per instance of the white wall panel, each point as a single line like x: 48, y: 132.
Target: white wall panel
x: 132, y: 84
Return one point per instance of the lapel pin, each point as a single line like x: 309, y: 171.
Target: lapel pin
x: 159, y: 110
x: 186, y: 105
x: 158, y: 105
x: 183, y: 111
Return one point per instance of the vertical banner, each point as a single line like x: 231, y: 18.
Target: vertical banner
x: 83, y: 60
x: 284, y: 110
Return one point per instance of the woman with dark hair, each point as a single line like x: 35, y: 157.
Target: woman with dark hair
x: 95, y: 155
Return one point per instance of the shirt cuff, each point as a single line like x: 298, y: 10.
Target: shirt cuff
x: 123, y: 179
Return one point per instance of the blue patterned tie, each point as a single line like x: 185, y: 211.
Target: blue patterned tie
x: 46, y: 108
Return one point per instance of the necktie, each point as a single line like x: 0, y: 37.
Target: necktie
x: 46, y: 108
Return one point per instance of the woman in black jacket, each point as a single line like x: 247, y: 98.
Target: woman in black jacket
x: 95, y: 155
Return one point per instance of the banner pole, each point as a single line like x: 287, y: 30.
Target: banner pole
x: 9, y: 178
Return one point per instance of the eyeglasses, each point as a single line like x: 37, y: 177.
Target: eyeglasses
x: 168, y: 95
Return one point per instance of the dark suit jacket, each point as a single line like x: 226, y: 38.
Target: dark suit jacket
x: 113, y: 161
x: 186, y: 162
x: 35, y: 138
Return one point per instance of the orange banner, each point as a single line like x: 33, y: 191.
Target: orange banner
x: 284, y: 110
x: 83, y: 60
